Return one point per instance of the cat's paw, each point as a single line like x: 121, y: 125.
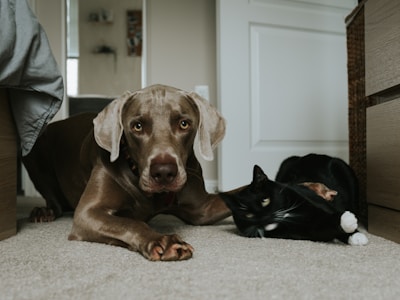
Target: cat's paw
x: 358, y: 239
x: 348, y: 222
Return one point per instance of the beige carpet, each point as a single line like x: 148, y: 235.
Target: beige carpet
x: 40, y: 263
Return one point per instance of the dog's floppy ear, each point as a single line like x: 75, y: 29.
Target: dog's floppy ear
x: 211, y: 127
x: 108, y: 126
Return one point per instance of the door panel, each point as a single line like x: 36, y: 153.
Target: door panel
x: 282, y: 83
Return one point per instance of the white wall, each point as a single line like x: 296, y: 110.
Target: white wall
x: 51, y: 15
x: 106, y: 74
x: 181, y: 49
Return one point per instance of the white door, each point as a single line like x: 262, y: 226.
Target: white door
x: 282, y: 83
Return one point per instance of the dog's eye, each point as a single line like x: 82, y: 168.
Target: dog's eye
x: 137, y: 126
x: 184, y: 124
x: 265, y: 202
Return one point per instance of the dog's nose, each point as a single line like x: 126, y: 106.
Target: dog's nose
x: 163, y: 173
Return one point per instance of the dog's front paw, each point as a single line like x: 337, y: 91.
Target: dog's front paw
x: 348, y: 222
x: 42, y: 214
x: 169, y: 247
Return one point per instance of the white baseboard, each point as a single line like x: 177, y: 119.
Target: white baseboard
x: 211, y: 186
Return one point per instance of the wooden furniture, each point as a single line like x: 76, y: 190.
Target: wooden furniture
x: 8, y: 169
x: 382, y: 82
x: 373, y: 42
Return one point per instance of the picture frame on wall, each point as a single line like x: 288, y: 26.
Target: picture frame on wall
x: 134, y: 32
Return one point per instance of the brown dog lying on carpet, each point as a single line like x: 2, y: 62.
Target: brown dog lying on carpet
x: 132, y: 161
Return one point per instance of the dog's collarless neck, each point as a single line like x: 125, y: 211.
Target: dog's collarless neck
x: 165, y: 199
x: 125, y: 153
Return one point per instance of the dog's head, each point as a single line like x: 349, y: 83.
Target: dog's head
x: 160, y: 125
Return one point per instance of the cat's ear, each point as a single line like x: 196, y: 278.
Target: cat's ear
x: 258, y: 175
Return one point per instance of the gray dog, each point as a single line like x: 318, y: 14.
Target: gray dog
x: 132, y: 161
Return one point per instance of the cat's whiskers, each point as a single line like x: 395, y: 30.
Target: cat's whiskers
x: 243, y: 206
x: 260, y: 232
x: 284, y: 215
x: 253, y: 231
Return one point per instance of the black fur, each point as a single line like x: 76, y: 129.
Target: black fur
x: 293, y: 210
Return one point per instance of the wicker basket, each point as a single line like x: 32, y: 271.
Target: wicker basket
x: 358, y: 103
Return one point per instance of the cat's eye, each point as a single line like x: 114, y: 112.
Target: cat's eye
x: 249, y: 215
x: 265, y: 202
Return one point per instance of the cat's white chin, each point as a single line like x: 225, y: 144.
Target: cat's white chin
x: 271, y: 226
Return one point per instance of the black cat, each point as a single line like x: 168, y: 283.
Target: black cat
x: 313, y: 198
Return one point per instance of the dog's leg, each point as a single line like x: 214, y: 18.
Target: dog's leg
x: 102, y: 227
x: 196, y: 206
x: 96, y: 219
x: 44, y: 178
x: 207, y: 210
